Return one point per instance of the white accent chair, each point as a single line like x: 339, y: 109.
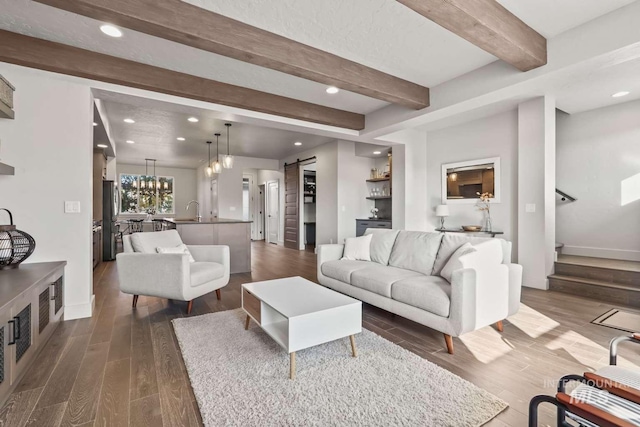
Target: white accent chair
x: 143, y: 271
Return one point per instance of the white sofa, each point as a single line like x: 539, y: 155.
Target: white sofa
x: 143, y: 271
x: 403, y: 278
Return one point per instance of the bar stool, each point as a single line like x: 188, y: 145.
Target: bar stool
x: 158, y: 225
x: 136, y: 225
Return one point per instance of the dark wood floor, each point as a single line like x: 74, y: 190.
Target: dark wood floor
x: 123, y: 366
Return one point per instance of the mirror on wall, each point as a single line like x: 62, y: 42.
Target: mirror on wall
x: 463, y: 181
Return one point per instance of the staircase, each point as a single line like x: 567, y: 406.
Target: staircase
x: 607, y: 280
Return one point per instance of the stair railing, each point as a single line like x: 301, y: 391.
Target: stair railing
x: 564, y: 196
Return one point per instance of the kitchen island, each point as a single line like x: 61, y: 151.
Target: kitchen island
x: 218, y: 231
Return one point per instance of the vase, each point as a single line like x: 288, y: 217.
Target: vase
x: 488, y: 225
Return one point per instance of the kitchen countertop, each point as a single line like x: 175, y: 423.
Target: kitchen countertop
x: 206, y: 221
x: 371, y: 219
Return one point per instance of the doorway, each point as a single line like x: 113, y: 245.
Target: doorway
x: 260, y: 226
x: 308, y: 241
x: 272, y: 202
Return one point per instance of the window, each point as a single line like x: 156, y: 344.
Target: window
x: 146, y: 194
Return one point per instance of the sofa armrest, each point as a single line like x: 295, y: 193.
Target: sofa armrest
x: 479, y: 297
x: 329, y: 252
x: 159, y: 275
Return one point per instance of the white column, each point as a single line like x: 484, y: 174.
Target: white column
x: 536, y: 189
x: 409, y: 204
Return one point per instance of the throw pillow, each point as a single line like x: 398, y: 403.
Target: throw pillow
x: 415, y: 251
x: 381, y: 244
x: 180, y: 249
x: 357, y: 248
x: 454, y: 261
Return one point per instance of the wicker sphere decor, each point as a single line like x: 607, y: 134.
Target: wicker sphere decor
x: 15, y: 245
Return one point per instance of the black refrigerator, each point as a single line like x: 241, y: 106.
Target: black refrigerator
x: 109, y: 218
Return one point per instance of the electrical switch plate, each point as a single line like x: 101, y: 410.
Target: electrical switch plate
x: 71, y: 207
x: 232, y: 208
x: 530, y: 208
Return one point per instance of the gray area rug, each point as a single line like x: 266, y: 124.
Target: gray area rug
x: 242, y: 378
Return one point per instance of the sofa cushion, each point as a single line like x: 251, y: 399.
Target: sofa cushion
x: 203, y: 272
x: 450, y: 243
x: 416, y: 251
x: 378, y: 278
x: 381, y: 244
x: 454, y: 261
x: 341, y: 269
x: 147, y: 243
x: 357, y: 248
x: 430, y: 293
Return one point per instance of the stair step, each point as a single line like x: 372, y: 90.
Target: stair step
x: 608, y: 271
x: 598, y: 289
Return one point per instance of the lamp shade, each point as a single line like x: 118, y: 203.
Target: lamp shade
x: 442, y: 210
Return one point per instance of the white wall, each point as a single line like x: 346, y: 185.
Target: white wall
x: 184, y: 186
x: 598, y: 159
x: 495, y: 136
x: 50, y: 145
x: 229, y: 185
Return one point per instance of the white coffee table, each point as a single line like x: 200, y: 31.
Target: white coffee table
x: 299, y: 314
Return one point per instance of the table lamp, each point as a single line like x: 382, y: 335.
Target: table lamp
x: 442, y: 211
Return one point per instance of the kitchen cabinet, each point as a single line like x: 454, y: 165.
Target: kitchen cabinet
x: 363, y: 224
x: 97, y: 245
x: 31, y: 307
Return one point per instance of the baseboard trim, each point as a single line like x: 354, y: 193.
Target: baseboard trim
x: 80, y: 311
x: 621, y: 254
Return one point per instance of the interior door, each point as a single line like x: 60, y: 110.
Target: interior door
x: 291, y: 206
x: 273, y: 213
x: 261, y: 212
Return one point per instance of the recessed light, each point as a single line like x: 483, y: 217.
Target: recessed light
x: 130, y: 141
x: 297, y: 143
x: 95, y: 124
x: 332, y: 90
x: 102, y: 146
x: 620, y: 94
x: 111, y: 30
x: 193, y: 119
x: 180, y: 138
x: 376, y: 152
x: 129, y: 121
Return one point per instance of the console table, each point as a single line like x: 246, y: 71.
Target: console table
x: 31, y: 307
x: 492, y: 233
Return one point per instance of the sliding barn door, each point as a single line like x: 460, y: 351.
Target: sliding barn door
x: 291, y: 206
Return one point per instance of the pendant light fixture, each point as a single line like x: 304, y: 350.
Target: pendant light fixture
x: 209, y: 170
x: 154, y: 180
x: 227, y: 160
x: 217, y: 167
x: 143, y: 182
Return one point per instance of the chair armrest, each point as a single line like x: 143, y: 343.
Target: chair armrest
x: 613, y: 346
x: 479, y: 297
x: 330, y: 252
x: 160, y: 275
x: 614, y: 387
x: 210, y: 253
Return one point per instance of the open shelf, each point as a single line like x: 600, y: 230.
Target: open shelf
x: 379, y: 198
x: 378, y: 179
x: 6, y: 112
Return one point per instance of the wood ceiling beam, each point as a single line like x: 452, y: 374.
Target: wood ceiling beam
x: 59, y: 58
x: 190, y: 25
x: 488, y: 25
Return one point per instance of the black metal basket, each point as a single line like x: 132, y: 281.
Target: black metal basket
x: 15, y: 245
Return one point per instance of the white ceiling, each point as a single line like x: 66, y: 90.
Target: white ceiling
x: 382, y: 34
x: 158, y: 125
x: 553, y: 17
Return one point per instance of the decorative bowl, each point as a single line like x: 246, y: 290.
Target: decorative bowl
x: 472, y: 227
